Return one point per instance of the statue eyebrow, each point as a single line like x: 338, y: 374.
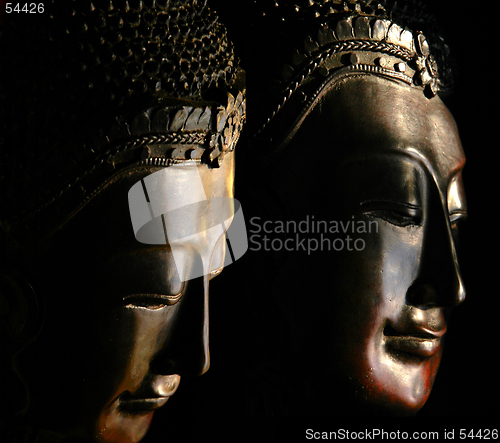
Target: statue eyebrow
x: 390, y: 201
x: 406, y: 192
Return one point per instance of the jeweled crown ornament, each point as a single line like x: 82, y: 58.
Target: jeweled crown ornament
x: 326, y: 40
x: 89, y: 88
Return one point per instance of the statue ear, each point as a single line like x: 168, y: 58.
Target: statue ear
x: 21, y: 315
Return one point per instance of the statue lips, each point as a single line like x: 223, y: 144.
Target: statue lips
x: 138, y: 405
x: 151, y: 399
x: 417, y: 340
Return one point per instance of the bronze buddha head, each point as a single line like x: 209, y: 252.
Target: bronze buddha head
x: 99, y: 319
x: 365, y: 160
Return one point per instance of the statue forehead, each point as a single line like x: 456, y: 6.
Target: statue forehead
x: 105, y: 220
x: 369, y: 115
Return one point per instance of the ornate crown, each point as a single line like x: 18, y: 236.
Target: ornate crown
x: 326, y: 40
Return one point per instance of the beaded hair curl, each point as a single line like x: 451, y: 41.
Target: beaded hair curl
x: 89, y: 87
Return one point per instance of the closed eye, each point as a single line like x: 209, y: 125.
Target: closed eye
x: 395, y: 213
x: 151, y: 302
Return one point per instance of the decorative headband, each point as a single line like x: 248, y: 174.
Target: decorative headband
x: 343, y: 43
x: 167, y: 135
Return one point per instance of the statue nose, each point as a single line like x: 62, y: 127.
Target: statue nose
x: 439, y: 282
x: 186, y: 351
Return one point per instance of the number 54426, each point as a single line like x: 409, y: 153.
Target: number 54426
x: 27, y: 8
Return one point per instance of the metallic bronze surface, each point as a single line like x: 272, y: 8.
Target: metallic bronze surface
x: 350, y: 128
x: 379, y: 307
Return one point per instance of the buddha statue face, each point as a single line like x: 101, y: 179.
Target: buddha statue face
x: 124, y: 320
x: 370, y: 317
x: 110, y: 113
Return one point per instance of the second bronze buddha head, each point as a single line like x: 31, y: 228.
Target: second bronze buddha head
x: 362, y: 155
x: 99, y: 323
